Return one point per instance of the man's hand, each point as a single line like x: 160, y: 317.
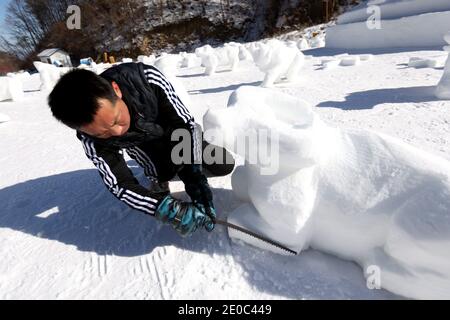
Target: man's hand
x: 185, y: 217
x: 211, y: 213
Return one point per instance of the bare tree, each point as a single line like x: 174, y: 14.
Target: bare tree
x: 24, y: 28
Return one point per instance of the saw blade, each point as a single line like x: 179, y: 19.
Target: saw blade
x: 255, y: 235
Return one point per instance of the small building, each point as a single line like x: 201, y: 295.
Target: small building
x: 55, y: 56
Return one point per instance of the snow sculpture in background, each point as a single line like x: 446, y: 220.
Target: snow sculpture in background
x: 318, y: 41
x: 303, y: 44
x: 226, y: 56
x: 244, y: 54
x: 22, y: 75
x: 190, y: 60
x: 49, y: 74
x: 147, y: 59
x: 168, y: 64
x: 443, y: 88
x: 358, y: 194
x: 11, y: 88
x: 97, y: 68
x: 277, y: 60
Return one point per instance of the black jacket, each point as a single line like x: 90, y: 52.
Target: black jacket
x: 155, y: 111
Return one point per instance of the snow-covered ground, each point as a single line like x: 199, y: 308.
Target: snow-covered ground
x: 63, y: 235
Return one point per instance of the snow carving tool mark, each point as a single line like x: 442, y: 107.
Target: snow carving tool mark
x: 255, y: 235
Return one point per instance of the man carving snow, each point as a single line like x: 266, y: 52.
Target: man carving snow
x: 133, y: 107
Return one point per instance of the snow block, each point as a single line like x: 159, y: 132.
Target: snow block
x: 350, y: 61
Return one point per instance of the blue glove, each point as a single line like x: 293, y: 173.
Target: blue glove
x: 210, y: 212
x: 185, y: 217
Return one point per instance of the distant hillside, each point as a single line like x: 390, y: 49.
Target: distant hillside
x: 128, y: 28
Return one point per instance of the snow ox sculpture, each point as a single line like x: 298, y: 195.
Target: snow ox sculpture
x: 360, y: 195
x: 277, y: 60
x: 227, y: 56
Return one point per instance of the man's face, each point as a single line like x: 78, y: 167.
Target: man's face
x: 112, y: 118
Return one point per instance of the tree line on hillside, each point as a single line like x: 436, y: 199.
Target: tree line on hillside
x: 132, y: 27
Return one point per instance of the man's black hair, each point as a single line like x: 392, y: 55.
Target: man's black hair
x: 74, y: 100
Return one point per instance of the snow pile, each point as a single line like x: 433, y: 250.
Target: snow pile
x: 443, y: 88
x: 4, y: 118
x: 49, y: 74
x: 391, y: 23
x: 277, y: 60
x: 358, y: 194
x: 226, y: 56
x: 127, y: 60
x: 11, y: 88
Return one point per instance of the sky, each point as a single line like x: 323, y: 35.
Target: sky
x: 3, y: 6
